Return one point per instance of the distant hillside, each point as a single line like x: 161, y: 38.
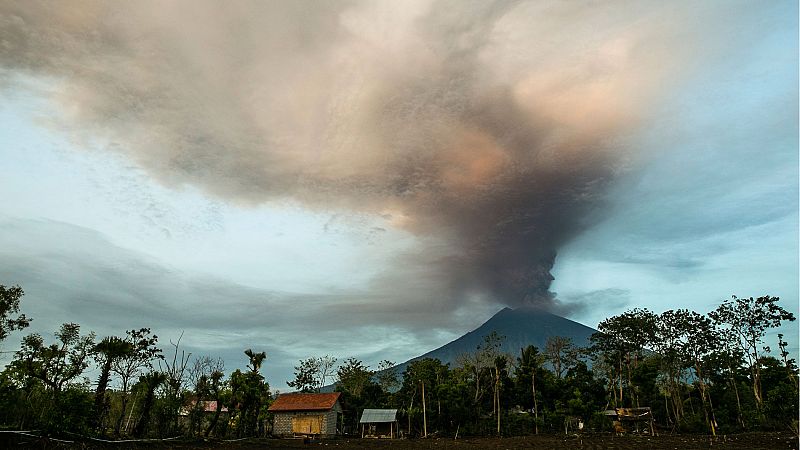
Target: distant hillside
x: 522, y: 327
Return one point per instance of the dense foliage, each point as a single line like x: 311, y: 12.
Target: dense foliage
x: 709, y: 373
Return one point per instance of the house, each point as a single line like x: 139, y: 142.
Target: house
x: 201, y: 413
x: 379, y: 423
x: 206, y: 406
x: 306, y: 414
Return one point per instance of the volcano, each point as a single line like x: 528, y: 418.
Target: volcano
x: 521, y: 327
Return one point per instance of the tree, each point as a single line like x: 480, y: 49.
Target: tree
x: 422, y: 379
x: 621, y: 342
x: 500, y: 367
x: 353, y: 377
x: 485, y: 360
x: 727, y: 361
x: 327, y: 364
x: 387, y: 376
x: 747, y: 321
x: 305, y: 375
x: 175, y: 370
x: 359, y: 391
x: 251, y: 393
x: 47, y: 372
x: 215, y: 387
x: 9, y: 306
x: 204, y: 383
x: 107, y: 351
x: 561, y: 354
x: 150, y: 382
x: 58, y: 363
x: 684, y: 339
x: 668, y: 343
x: 131, y: 364
x: 528, y: 363
x: 700, y: 340
x: 312, y: 373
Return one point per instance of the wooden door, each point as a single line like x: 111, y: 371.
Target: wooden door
x: 306, y: 424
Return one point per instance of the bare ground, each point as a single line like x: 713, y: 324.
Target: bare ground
x: 744, y: 441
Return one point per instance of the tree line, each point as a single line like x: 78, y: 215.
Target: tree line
x: 709, y: 373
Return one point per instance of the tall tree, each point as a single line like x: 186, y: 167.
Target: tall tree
x: 422, y: 381
x: 668, y: 341
x: 251, y: 394
x: 700, y: 341
x: 747, y: 320
x: 175, y: 370
x: 107, y: 351
x: 487, y: 360
x: 528, y: 364
x: 621, y: 341
x: 500, y: 366
x: 130, y: 365
x: 561, y: 353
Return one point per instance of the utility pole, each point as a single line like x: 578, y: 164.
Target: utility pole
x: 424, y: 413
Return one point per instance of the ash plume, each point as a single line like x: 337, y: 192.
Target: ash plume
x: 491, y: 130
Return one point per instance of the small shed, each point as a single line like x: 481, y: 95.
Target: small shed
x: 625, y: 416
x: 379, y: 423
x: 306, y: 414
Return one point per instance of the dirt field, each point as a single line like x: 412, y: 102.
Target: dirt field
x: 746, y: 441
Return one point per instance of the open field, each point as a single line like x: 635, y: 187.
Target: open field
x: 748, y: 441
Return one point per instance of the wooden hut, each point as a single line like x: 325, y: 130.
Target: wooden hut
x: 379, y: 423
x: 624, y: 417
x: 306, y: 414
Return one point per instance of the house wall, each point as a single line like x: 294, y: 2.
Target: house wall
x: 283, y: 421
x: 282, y: 425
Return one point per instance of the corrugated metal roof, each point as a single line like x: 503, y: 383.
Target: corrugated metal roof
x: 378, y: 416
x: 305, y: 402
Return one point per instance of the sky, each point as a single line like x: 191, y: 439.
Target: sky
x: 374, y: 179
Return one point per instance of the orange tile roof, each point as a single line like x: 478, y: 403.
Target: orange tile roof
x: 305, y: 402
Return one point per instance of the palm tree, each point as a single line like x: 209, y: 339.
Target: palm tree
x: 256, y: 359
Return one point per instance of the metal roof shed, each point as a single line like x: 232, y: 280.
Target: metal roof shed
x: 379, y: 423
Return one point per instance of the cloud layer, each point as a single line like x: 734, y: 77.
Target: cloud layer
x: 74, y: 274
